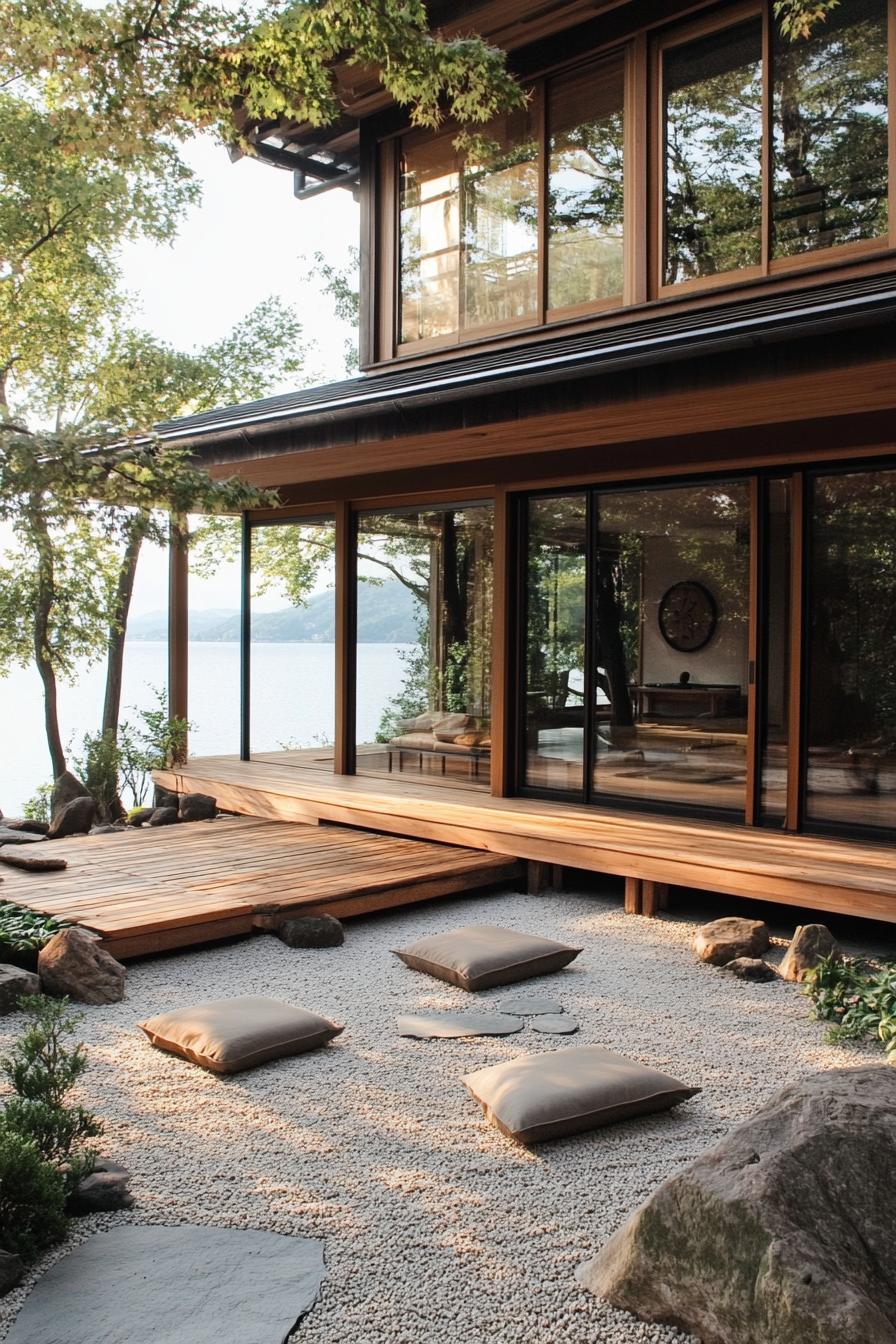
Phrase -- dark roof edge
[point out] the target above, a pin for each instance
(677, 337)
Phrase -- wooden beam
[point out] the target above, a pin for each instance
(633, 887)
(178, 619)
(796, 671)
(502, 754)
(654, 897)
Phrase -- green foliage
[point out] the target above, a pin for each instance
(799, 18)
(858, 998)
(98, 768)
(38, 806)
(155, 742)
(42, 1070)
(23, 930)
(32, 1197)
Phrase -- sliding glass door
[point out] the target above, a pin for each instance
(289, 667)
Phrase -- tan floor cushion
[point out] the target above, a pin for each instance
(227, 1035)
(547, 1096)
(480, 955)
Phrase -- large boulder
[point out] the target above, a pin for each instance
(780, 1234)
(725, 939)
(14, 982)
(74, 818)
(197, 807)
(139, 816)
(103, 1191)
(73, 963)
(809, 945)
(163, 816)
(66, 788)
(11, 1270)
(164, 797)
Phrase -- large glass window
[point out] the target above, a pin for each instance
(830, 131)
(712, 89)
(468, 232)
(554, 690)
(671, 620)
(851, 713)
(424, 621)
(292, 670)
(585, 184)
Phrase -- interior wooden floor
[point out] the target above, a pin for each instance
(173, 886)
(830, 875)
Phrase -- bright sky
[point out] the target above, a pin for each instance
(246, 240)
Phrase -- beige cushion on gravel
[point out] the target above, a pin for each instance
(227, 1035)
(480, 955)
(547, 1096)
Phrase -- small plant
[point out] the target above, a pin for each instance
(32, 1197)
(24, 932)
(42, 1070)
(37, 807)
(155, 742)
(858, 998)
(98, 767)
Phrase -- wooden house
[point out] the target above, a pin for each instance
(621, 457)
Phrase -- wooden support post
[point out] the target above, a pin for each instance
(557, 877)
(344, 728)
(178, 619)
(502, 748)
(654, 897)
(633, 895)
(537, 877)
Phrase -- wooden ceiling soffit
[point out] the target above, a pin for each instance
(742, 404)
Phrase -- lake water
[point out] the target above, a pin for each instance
(292, 702)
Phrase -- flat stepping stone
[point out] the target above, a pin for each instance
(529, 1005)
(555, 1024)
(10, 837)
(448, 1026)
(174, 1285)
(31, 862)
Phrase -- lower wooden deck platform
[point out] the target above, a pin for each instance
(831, 875)
(153, 890)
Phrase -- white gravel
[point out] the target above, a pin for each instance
(436, 1226)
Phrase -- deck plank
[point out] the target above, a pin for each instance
(844, 876)
(154, 890)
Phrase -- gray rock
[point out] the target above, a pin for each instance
(106, 828)
(11, 837)
(163, 816)
(73, 963)
(164, 797)
(197, 807)
(140, 816)
(27, 824)
(15, 982)
(174, 1285)
(809, 945)
(311, 931)
(750, 968)
(725, 939)
(11, 1271)
(555, 1024)
(66, 789)
(780, 1234)
(450, 1026)
(41, 862)
(103, 1191)
(74, 818)
(529, 1005)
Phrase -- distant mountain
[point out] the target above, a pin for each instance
(386, 615)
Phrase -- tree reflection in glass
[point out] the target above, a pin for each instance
(585, 184)
(713, 150)
(425, 593)
(830, 131)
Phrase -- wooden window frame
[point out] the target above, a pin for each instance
(644, 199)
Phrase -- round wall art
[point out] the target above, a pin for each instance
(687, 616)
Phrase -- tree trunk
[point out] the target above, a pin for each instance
(118, 624)
(612, 650)
(43, 611)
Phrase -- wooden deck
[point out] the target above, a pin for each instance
(828, 875)
(154, 890)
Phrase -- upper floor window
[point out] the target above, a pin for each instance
(702, 153)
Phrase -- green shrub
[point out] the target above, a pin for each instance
(32, 1198)
(38, 806)
(98, 767)
(42, 1070)
(857, 997)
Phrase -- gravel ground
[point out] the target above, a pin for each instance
(436, 1226)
